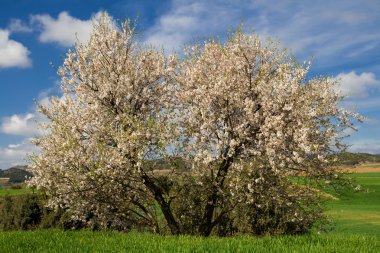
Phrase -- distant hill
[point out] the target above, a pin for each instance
(351, 159)
(17, 174)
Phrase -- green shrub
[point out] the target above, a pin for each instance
(20, 212)
(28, 211)
(7, 219)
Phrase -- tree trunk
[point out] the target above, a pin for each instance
(206, 227)
(165, 207)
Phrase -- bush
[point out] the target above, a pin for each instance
(20, 212)
(29, 211)
(7, 219)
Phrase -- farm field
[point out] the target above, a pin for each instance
(367, 167)
(370, 165)
(357, 229)
(358, 212)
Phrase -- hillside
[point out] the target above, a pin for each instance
(352, 159)
(18, 174)
(15, 174)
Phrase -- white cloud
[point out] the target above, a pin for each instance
(16, 25)
(333, 32)
(22, 125)
(176, 27)
(65, 30)
(371, 146)
(354, 85)
(190, 20)
(12, 53)
(16, 154)
(27, 126)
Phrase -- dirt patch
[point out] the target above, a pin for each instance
(4, 180)
(362, 170)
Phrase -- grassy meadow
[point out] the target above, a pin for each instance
(86, 241)
(357, 229)
(11, 191)
(358, 212)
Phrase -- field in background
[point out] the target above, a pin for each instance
(12, 190)
(363, 168)
(358, 212)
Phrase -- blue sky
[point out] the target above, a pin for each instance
(341, 37)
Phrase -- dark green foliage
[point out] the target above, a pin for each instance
(7, 219)
(59, 218)
(31, 211)
(284, 214)
(275, 206)
(28, 211)
(52, 219)
(20, 212)
(187, 204)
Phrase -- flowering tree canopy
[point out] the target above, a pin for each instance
(249, 108)
(230, 123)
(104, 126)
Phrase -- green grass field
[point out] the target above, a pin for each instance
(86, 241)
(357, 229)
(7, 190)
(358, 212)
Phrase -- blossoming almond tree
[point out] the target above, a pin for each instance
(109, 119)
(250, 115)
(239, 118)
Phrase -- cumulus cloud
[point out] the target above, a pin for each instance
(15, 154)
(357, 85)
(12, 53)
(176, 27)
(190, 20)
(22, 125)
(16, 25)
(64, 30)
(27, 125)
